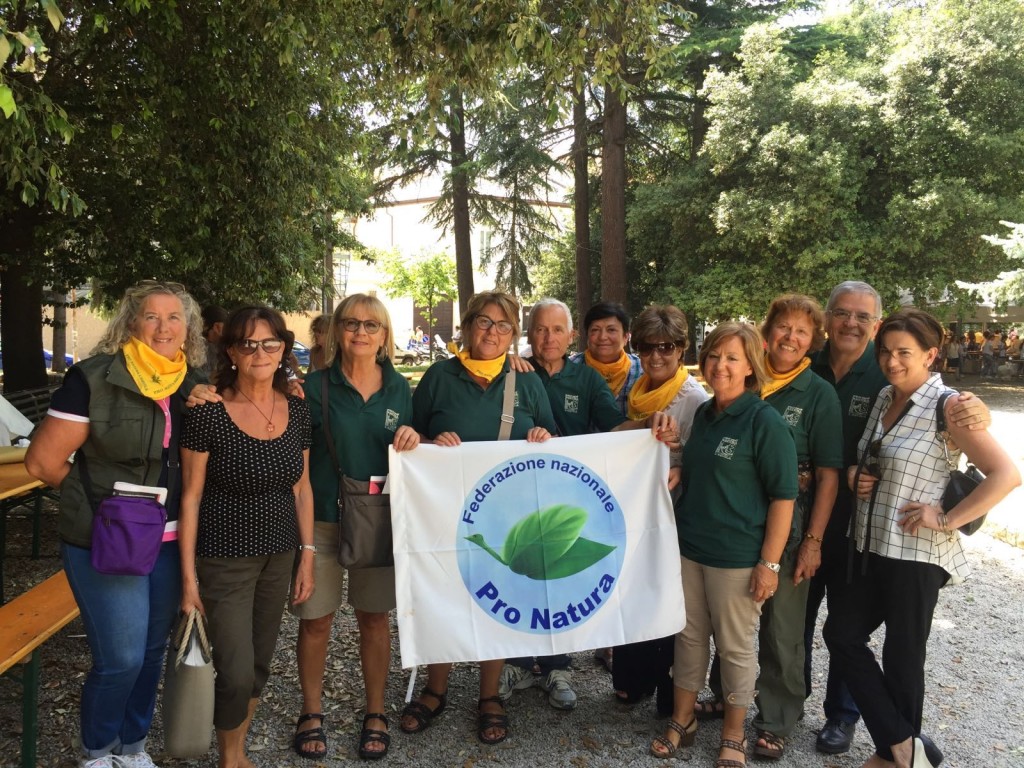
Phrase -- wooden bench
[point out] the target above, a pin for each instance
(27, 622)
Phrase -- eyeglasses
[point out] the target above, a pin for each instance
(874, 451)
(484, 323)
(861, 318)
(248, 346)
(664, 348)
(352, 325)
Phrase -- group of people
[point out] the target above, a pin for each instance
(808, 456)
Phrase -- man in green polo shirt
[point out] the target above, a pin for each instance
(848, 363)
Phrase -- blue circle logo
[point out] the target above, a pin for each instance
(540, 543)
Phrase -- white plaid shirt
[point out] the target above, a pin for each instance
(913, 467)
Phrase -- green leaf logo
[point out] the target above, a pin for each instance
(547, 544)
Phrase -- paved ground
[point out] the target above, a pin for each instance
(973, 707)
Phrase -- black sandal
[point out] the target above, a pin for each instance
(421, 713)
(370, 736)
(488, 720)
(709, 709)
(310, 735)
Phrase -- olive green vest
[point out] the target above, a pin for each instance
(126, 432)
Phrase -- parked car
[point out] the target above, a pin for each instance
(301, 352)
(47, 359)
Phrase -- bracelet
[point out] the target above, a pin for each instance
(944, 526)
(773, 567)
(308, 548)
(812, 537)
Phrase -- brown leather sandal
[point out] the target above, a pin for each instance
(687, 734)
(421, 713)
(773, 746)
(726, 762)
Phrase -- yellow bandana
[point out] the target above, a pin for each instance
(487, 370)
(154, 375)
(781, 380)
(613, 373)
(642, 403)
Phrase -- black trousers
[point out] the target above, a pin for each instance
(901, 595)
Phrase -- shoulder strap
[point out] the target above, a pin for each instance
(508, 406)
(326, 423)
(940, 410)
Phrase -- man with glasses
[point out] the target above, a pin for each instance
(848, 362)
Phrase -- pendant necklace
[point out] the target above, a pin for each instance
(270, 419)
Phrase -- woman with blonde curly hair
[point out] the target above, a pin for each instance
(121, 409)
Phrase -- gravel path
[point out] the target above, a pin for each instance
(974, 706)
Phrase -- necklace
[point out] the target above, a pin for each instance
(270, 419)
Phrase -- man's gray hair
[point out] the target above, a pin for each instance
(854, 286)
(547, 301)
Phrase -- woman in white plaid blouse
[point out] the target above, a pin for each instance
(907, 546)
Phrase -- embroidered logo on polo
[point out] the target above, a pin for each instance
(548, 570)
(726, 448)
(792, 415)
(860, 406)
(390, 420)
(572, 404)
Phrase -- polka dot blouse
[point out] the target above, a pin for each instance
(248, 505)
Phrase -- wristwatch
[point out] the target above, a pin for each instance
(309, 547)
(773, 567)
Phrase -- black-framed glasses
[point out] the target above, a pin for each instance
(873, 466)
(664, 348)
(484, 323)
(352, 325)
(861, 318)
(249, 346)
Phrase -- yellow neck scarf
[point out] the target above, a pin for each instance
(780, 380)
(613, 373)
(154, 375)
(487, 370)
(642, 403)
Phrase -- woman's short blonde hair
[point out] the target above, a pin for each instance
(122, 327)
(660, 321)
(375, 309)
(506, 302)
(753, 348)
(797, 303)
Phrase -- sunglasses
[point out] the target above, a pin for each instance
(663, 348)
(248, 346)
(352, 325)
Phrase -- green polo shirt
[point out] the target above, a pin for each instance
(810, 406)
(857, 392)
(362, 431)
(447, 399)
(580, 399)
(734, 463)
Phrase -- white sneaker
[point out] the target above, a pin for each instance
(107, 761)
(134, 760)
(560, 693)
(514, 678)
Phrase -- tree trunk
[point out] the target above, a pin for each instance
(613, 200)
(460, 202)
(698, 120)
(581, 206)
(21, 316)
(60, 336)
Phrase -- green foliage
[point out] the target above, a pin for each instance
(885, 159)
(427, 281)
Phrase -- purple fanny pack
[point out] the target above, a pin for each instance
(127, 532)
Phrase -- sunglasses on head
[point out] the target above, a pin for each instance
(248, 346)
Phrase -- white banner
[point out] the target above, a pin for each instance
(506, 549)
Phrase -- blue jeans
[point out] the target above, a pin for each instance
(546, 663)
(127, 622)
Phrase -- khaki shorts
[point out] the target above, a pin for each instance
(328, 576)
(369, 589)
